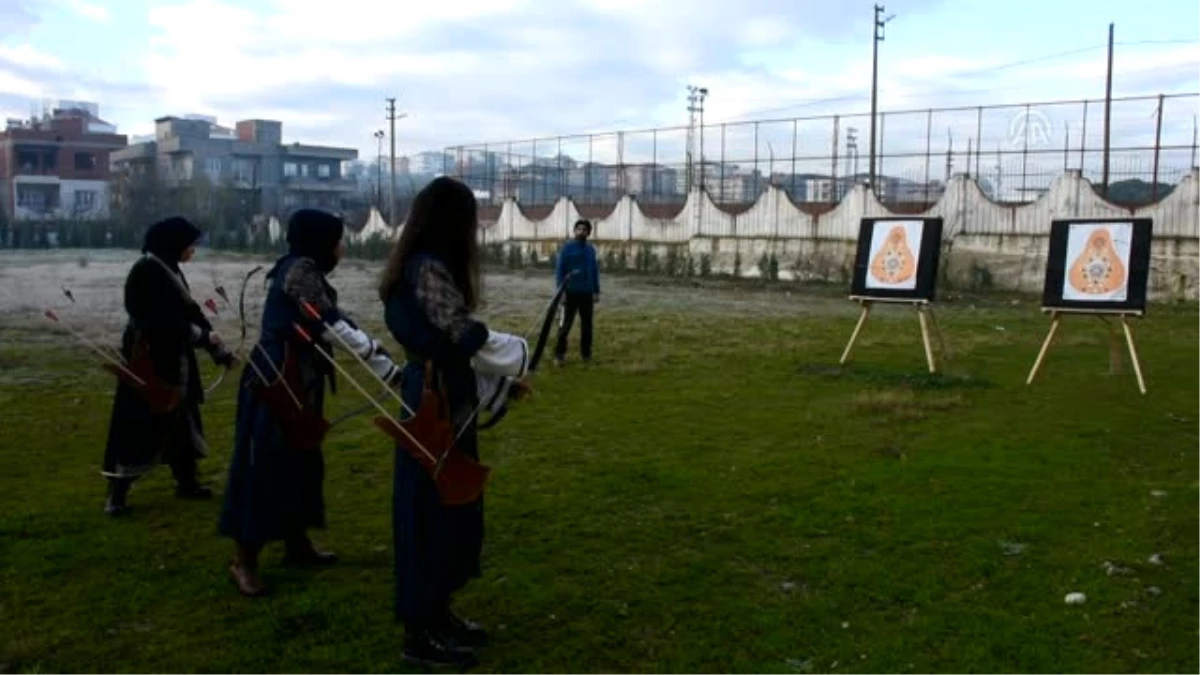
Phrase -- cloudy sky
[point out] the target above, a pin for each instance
(492, 70)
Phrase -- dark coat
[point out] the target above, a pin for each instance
(275, 491)
(168, 324)
(437, 547)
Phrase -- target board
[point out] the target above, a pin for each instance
(897, 262)
(1101, 267)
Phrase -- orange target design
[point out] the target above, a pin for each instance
(1098, 270)
(894, 263)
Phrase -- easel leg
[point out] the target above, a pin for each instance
(925, 339)
(1133, 356)
(937, 333)
(1045, 346)
(862, 319)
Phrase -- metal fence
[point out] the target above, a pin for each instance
(1014, 150)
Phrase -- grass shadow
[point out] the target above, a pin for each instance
(918, 381)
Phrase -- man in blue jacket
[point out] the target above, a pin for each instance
(583, 289)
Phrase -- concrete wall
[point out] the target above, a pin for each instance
(985, 244)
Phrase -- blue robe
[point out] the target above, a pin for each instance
(437, 547)
(274, 491)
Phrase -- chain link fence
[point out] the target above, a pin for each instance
(1014, 151)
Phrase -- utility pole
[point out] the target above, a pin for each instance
(695, 105)
(693, 97)
(379, 168)
(877, 26)
(1108, 107)
(852, 154)
(391, 111)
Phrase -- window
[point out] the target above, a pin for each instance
(290, 170)
(243, 171)
(213, 166)
(304, 170)
(324, 171)
(291, 200)
(85, 200)
(85, 161)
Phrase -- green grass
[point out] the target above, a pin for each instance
(714, 495)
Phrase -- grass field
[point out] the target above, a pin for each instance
(714, 494)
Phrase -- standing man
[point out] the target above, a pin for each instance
(583, 289)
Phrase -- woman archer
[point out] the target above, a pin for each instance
(275, 490)
(429, 289)
(165, 326)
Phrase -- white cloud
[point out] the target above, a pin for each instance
(19, 86)
(90, 10)
(27, 56)
(491, 70)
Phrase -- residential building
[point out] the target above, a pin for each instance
(272, 177)
(56, 166)
(431, 163)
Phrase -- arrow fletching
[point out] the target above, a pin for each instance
(303, 333)
(211, 305)
(310, 309)
(51, 315)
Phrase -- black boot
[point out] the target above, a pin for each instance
(193, 491)
(427, 647)
(300, 552)
(118, 490)
(462, 631)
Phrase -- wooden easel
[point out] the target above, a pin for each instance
(924, 314)
(1114, 352)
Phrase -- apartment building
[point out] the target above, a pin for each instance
(56, 165)
(272, 176)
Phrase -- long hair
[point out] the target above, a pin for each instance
(443, 222)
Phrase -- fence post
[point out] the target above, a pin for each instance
(928, 150)
(722, 161)
(879, 155)
(1066, 144)
(587, 176)
(654, 163)
(1195, 145)
(978, 142)
(561, 186)
(533, 169)
(756, 173)
(509, 188)
(1157, 145)
(487, 173)
(1083, 141)
(795, 129)
(833, 187)
(1025, 152)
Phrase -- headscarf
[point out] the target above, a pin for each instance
(315, 234)
(168, 239)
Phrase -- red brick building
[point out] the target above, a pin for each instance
(56, 166)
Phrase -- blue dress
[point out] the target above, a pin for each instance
(276, 492)
(437, 547)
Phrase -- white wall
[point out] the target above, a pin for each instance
(989, 244)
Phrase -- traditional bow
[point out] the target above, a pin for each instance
(538, 350)
(212, 307)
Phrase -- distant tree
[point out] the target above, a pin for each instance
(1136, 192)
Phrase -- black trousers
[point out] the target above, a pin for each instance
(582, 304)
(183, 468)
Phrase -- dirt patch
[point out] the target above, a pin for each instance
(31, 281)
